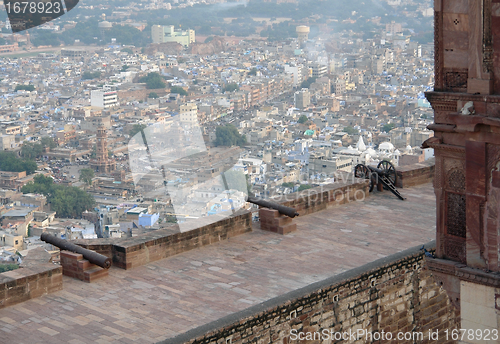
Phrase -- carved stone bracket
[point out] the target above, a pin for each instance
(487, 38)
(449, 148)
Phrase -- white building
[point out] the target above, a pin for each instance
(296, 72)
(103, 99)
(189, 113)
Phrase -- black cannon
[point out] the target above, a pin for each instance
(288, 211)
(384, 173)
(91, 256)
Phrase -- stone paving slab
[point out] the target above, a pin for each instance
(168, 297)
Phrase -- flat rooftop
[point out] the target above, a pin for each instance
(165, 298)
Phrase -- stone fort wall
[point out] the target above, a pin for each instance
(396, 295)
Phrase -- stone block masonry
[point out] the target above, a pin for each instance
(416, 174)
(75, 266)
(26, 283)
(272, 220)
(397, 295)
(325, 196)
(132, 252)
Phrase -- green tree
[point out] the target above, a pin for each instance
(25, 88)
(388, 127)
(229, 136)
(153, 80)
(153, 95)
(303, 187)
(136, 129)
(288, 185)
(66, 201)
(90, 75)
(86, 175)
(231, 87)
(8, 267)
(124, 68)
(307, 83)
(47, 141)
(178, 90)
(9, 161)
(32, 150)
(252, 71)
(302, 119)
(171, 219)
(350, 130)
(127, 50)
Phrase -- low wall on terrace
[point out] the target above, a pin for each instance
(34, 278)
(416, 174)
(325, 196)
(396, 294)
(128, 253)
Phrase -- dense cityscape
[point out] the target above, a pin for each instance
(137, 132)
(291, 112)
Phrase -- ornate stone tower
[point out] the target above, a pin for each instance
(466, 103)
(102, 163)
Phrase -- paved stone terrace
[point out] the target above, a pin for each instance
(168, 297)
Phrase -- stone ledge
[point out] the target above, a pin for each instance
(415, 174)
(463, 272)
(325, 196)
(26, 283)
(128, 253)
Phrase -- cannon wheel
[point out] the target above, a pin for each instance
(361, 171)
(389, 170)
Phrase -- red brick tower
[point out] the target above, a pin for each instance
(102, 163)
(466, 101)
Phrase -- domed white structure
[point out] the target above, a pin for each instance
(361, 144)
(105, 25)
(386, 148)
(372, 152)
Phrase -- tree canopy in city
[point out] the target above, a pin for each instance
(127, 50)
(350, 130)
(302, 119)
(25, 88)
(10, 162)
(252, 71)
(303, 187)
(135, 129)
(388, 127)
(32, 150)
(153, 80)
(231, 87)
(91, 75)
(178, 90)
(307, 83)
(228, 135)
(86, 175)
(66, 201)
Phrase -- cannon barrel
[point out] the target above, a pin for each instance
(288, 211)
(91, 256)
(377, 170)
